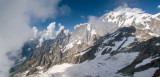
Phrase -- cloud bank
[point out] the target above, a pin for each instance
(15, 30)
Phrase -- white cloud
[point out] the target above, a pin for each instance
(48, 34)
(41, 40)
(61, 27)
(42, 9)
(78, 25)
(158, 6)
(15, 29)
(125, 8)
(35, 31)
(101, 27)
(66, 32)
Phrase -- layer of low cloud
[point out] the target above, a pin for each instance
(15, 29)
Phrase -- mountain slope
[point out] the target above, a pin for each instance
(131, 50)
(117, 51)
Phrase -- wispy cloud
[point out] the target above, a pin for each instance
(64, 10)
(158, 6)
(82, 17)
(129, 2)
(43, 9)
(124, 8)
(101, 27)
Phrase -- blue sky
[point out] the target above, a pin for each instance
(81, 9)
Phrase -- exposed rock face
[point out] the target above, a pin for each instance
(55, 51)
(121, 41)
(49, 54)
(81, 33)
(147, 49)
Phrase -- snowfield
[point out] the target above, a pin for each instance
(148, 60)
(104, 66)
(146, 73)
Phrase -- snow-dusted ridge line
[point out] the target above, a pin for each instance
(82, 53)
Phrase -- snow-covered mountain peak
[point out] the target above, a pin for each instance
(125, 16)
(145, 23)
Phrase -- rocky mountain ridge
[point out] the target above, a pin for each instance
(137, 38)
